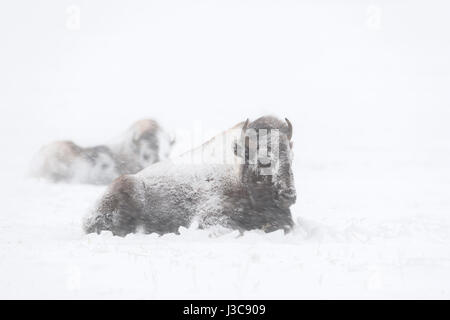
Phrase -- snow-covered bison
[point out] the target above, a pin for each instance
(241, 179)
(143, 144)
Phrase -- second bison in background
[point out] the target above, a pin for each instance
(225, 188)
(143, 144)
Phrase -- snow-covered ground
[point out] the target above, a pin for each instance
(358, 235)
(365, 84)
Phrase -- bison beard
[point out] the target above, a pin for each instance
(168, 195)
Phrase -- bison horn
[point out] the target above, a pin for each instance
(244, 128)
(289, 133)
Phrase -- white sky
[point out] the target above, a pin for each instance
(349, 75)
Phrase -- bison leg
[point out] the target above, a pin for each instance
(119, 211)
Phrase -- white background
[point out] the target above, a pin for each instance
(366, 85)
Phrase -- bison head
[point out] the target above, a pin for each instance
(265, 150)
(150, 142)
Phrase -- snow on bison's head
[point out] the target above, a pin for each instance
(265, 150)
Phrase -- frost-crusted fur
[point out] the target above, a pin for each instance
(144, 143)
(176, 192)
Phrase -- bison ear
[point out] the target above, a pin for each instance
(241, 150)
(289, 133)
(236, 148)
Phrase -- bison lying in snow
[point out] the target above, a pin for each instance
(251, 187)
(144, 143)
